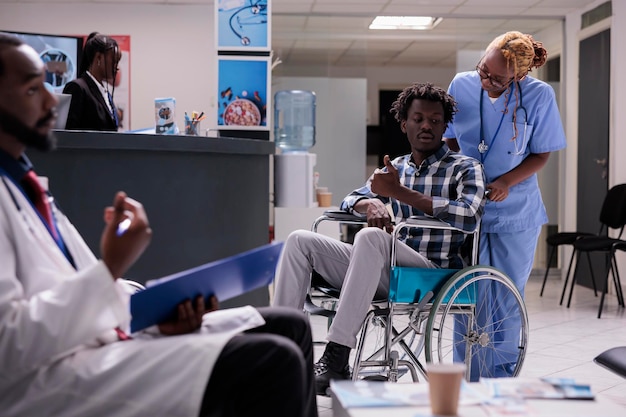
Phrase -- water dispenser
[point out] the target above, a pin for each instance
(294, 120)
(294, 134)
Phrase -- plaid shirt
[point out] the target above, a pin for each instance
(456, 184)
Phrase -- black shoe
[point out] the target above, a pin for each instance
(323, 375)
(332, 365)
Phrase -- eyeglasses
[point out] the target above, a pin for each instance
(498, 83)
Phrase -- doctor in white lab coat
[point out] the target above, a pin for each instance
(60, 354)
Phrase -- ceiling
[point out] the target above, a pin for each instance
(335, 33)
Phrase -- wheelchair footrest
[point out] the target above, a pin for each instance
(316, 310)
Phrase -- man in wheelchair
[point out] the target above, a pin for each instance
(431, 180)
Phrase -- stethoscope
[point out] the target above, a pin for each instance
(483, 147)
(258, 16)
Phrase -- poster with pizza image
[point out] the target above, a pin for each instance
(243, 92)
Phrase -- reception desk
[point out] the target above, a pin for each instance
(206, 198)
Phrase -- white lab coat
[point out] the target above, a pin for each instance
(58, 353)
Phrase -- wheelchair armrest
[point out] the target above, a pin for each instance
(341, 215)
(428, 222)
(425, 222)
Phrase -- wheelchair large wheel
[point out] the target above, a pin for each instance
(479, 318)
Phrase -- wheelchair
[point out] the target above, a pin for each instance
(433, 315)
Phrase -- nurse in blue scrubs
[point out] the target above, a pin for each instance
(510, 122)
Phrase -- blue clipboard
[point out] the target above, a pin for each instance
(225, 278)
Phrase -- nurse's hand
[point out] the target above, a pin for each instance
(498, 190)
(188, 316)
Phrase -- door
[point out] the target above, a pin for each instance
(392, 141)
(593, 142)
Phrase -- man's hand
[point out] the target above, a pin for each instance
(121, 247)
(376, 212)
(188, 318)
(386, 184)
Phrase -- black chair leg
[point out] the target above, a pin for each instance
(569, 269)
(545, 277)
(593, 277)
(573, 282)
(618, 283)
(606, 284)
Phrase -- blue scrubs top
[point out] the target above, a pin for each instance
(539, 130)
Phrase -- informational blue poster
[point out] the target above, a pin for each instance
(60, 55)
(243, 92)
(243, 25)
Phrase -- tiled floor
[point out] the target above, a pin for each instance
(562, 341)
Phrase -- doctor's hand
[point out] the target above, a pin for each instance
(126, 235)
(498, 190)
(188, 317)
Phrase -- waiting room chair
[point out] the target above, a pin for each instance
(609, 246)
(554, 241)
(614, 360)
(613, 216)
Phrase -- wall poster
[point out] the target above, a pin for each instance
(243, 25)
(243, 94)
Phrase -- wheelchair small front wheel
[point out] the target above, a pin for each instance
(479, 318)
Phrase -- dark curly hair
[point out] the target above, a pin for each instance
(423, 91)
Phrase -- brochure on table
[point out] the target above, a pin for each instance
(537, 388)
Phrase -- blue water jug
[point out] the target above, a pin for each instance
(294, 120)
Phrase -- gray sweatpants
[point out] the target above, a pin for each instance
(361, 271)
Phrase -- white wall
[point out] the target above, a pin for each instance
(172, 48)
(378, 78)
(466, 60)
(340, 137)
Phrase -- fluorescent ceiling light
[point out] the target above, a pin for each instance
(405, 22)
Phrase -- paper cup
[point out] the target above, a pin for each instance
(444, 386)
(324, 199)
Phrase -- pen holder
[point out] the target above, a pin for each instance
(192, 127)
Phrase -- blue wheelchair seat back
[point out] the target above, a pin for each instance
(410, 285)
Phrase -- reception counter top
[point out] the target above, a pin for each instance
(206, 198)
(171, 143)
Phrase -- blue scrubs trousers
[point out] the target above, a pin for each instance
(512, 253)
